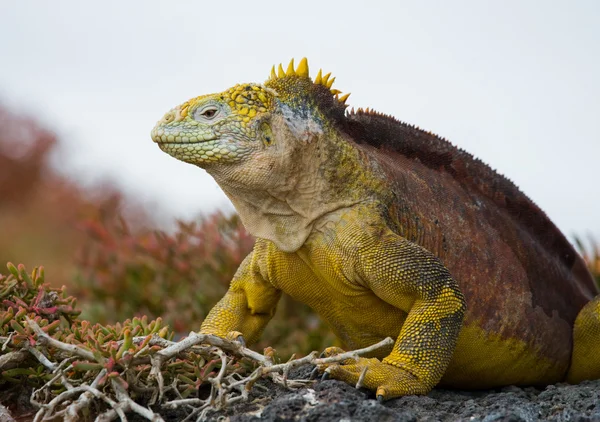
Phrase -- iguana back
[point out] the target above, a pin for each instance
(548, 257)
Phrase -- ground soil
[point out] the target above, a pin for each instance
(336, 401)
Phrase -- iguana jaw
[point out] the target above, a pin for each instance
(202, 153)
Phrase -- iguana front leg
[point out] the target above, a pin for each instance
(412, 279)
(246, 308)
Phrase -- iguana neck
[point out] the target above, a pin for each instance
(326, 176)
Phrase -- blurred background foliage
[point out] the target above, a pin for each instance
(591, 254)
(119, 264)
(111, 254)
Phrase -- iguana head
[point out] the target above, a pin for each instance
(276, 149)
(251, 130)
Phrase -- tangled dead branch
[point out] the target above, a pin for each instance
(228, 385)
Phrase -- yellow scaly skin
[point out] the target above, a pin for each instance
(320, 210)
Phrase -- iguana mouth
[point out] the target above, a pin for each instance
(180, 142)
(161, 137)
(198, 152)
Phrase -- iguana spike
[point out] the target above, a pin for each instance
(343, 98)
(330, 82)
(280, 72)
(290, 69)
(319, 78)
(273, 74)
(303, 68)
(325, 78)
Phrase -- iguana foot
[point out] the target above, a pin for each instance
(388, 381)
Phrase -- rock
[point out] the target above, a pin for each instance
(333, 400)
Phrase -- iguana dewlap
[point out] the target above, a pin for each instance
(387, 230)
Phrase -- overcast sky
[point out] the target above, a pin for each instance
(516, 83)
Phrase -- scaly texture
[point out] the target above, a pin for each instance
(387, 230)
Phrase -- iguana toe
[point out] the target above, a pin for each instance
(331, 351)
(236, 336)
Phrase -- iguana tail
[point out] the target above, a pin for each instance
(585, 360)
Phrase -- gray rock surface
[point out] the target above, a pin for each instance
(336, 401)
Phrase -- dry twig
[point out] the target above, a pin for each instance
(143, 369)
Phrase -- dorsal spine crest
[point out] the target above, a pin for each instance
(302, 71)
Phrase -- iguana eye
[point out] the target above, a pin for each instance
(207, 113)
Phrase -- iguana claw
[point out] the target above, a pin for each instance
(314, 373)
(381, 394)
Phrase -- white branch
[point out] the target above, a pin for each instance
(43, 337)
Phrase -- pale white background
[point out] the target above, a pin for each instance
(517, 83)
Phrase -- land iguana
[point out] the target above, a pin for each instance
(387, 230)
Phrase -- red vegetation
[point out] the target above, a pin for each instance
(117, 272)
(39, 208)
